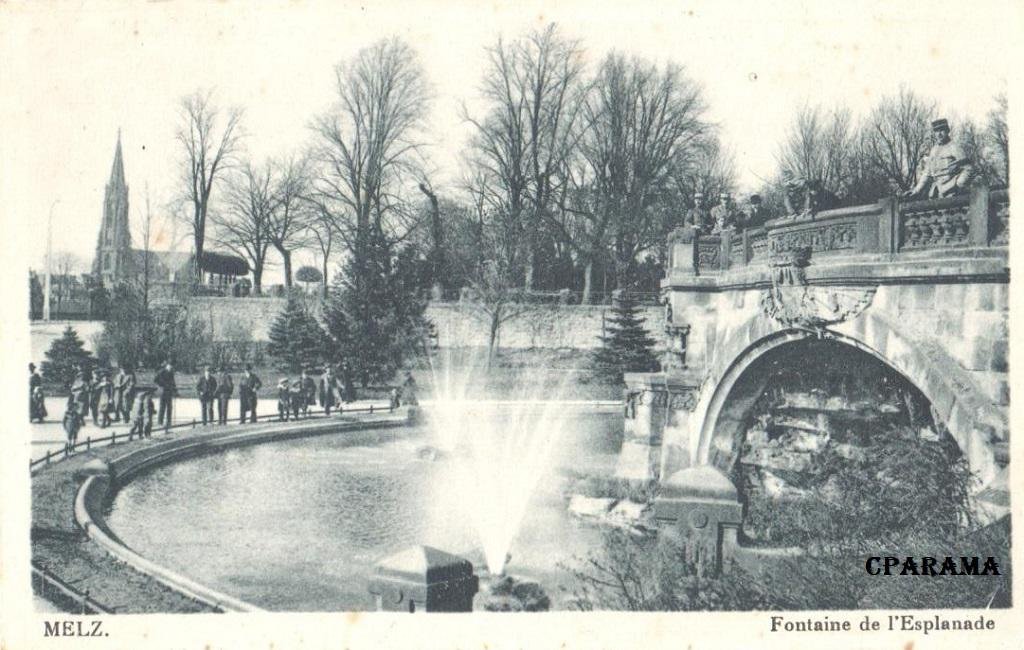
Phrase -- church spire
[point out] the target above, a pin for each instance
(117, 171)
(113, 247)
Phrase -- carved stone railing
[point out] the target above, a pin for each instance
(980, 219)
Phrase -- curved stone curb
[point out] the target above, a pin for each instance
(94, 490)
(97, 488)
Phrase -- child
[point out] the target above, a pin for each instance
(73, 422)
(296, 397)
(283, 399)
(104, 400)
(143, 410)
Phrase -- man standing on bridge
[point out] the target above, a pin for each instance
(946, 171)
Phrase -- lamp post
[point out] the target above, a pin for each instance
(49, 261)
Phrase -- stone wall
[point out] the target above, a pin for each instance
(549, 326)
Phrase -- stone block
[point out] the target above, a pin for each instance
(950, 297)
(1000, 361)
(424, 579)
(921, 296)
(973, 353)
(1001, 297)
(991, 324)
(637, 461)
(981, 297)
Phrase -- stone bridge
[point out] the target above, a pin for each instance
(920, 286)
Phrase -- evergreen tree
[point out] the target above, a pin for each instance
(64, 358)
(374, 313)
(296, 339)
(625, 345)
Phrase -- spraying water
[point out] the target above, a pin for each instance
(499, 448)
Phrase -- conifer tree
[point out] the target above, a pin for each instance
(374, 314)
(65, 357)
(296, 338)
(625, 345)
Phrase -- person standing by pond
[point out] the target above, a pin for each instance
(124, 389)
(168, 389)
(206, 387)
(328, 391)
(409, 390)
(248, 389)
(36, 400)
(225, 386)
(308, 386)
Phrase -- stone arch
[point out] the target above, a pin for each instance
(971, 419)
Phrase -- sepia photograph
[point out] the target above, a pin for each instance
(595, 309)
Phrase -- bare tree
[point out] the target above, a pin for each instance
(638, 119)
(494, 272)
(818, 145)
(321, 229)
(244, 226)
(999, 136)
(288, 221)
(210, 140)
(897, 137)
(65, 266)
(370, 145)
(523, 142)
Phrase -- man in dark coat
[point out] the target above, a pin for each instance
(328, 391)
(248, 388)
(225, 386)
(164, 380)
(206, 387)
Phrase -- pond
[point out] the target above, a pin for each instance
(298, 525)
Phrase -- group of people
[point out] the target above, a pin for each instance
(725, 214)
(294, 397)
(116, 396)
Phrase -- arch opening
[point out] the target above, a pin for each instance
(807, 415)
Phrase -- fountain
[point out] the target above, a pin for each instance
(498, 448)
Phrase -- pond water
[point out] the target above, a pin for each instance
(298, 525)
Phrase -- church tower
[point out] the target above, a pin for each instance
(113, 248)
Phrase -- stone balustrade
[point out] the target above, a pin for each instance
(889, 227)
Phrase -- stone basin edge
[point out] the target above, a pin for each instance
(98, 489)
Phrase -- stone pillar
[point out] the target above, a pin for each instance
(700, 505)
(654, 401)
(424, 579)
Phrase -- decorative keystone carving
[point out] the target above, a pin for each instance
(791, 302)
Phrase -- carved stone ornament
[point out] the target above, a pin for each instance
(792, 303)
(684, 401)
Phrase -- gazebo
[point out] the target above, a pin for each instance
(221, 271)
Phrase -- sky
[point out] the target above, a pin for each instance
(73, 74)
